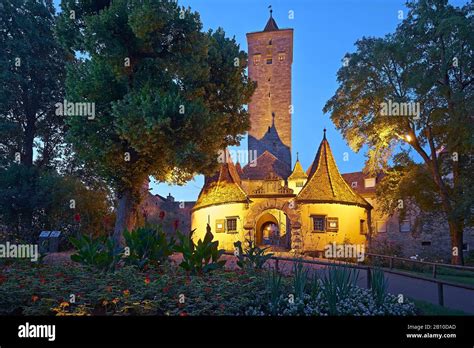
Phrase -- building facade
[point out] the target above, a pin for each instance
(284, 206)
(267, 201)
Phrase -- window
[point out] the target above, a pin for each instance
(333, 224)
(369, 182)
(256, 59)
(465, 246)
(405, 226)
(381, 226)
(426, 243)
(270, 42)
(354, 184)
(232, 225)
(299, 183)
(319, 223)
(281, 57)
(362, 227)
(269, 61)
(220, 226)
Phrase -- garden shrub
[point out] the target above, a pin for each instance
(252, 257)
(147, 244)
(100, 252)
(202, 257)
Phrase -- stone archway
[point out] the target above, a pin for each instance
(252, 222)
(267, 230)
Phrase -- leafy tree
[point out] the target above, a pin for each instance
(32, 77)
(54, 202)
(167, 95)
(428, 60)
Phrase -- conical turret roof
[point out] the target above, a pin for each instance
(298, 172)
(222, 187)
(325, 184)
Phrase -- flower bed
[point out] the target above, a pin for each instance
(169, 290)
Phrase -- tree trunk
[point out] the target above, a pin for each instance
(456, 233)
(126, 216)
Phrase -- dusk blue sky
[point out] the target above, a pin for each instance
(324, 30)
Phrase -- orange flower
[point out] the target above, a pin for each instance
(115, 300)
(105, 303)
(64, 304)
(34, 298)
(126, 292)
(147, 280)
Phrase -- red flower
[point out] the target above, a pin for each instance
(2, 278)
(162, 215)
(166, 289)
(34, 298)
(42, 280)
(77, 217)
(175, 224)
(183, 314)
(147, 280)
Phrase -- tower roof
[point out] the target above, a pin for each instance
(325, 184)
(271, 24)
(298, 172)
(222, 187)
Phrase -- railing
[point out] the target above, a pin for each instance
(434, 265)
(370, 268)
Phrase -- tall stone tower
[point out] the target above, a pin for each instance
(270, 57)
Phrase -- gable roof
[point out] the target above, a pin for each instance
(222, 187)
(325, 184)
(359, 179)
(263, 166)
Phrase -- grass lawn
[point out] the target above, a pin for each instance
(427, 308)
(443, 273)
(448, 275)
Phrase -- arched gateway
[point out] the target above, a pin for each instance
(273, 222)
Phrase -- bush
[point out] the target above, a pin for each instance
(101, 252)
(300, 279)
(337, 284)
(147, 244)
(379, 286)
(253, 257)
(202, 257)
